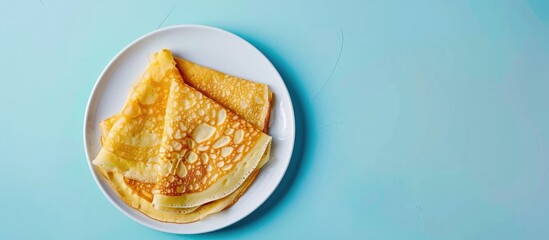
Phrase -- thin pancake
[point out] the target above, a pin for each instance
(172, 214)
(144, 189)
(132, 196)
(135, 194)
(131, 146)
(133, 191)
(207, 151)
(139, 191)
(249, 100)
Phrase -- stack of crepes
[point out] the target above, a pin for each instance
(188, 142)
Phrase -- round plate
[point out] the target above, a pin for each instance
(214, 48)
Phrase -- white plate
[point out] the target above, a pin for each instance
(214, 48)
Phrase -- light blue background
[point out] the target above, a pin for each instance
(416, 119)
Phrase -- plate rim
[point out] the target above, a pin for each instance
(94, 98)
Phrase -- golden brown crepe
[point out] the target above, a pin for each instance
(131, 146)
(207, 151)
(221, 185)
(139, 195)
(173, 215)
(249, 100)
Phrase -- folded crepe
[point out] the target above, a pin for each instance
(173, 215)
(137, 136)
(131, 146)
(138, 195)
(249, 100)
(207, 151)
(179, 195)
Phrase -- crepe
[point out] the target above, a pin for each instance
(135, 194)
(207, 151)
(138, 195)
(174, 215)
(131, 146)
(249, 100)
(131, 176)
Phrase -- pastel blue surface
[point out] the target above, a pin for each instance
(416, 119)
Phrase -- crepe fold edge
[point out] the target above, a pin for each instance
(138, 170)
(179, 215)
(174, 215)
